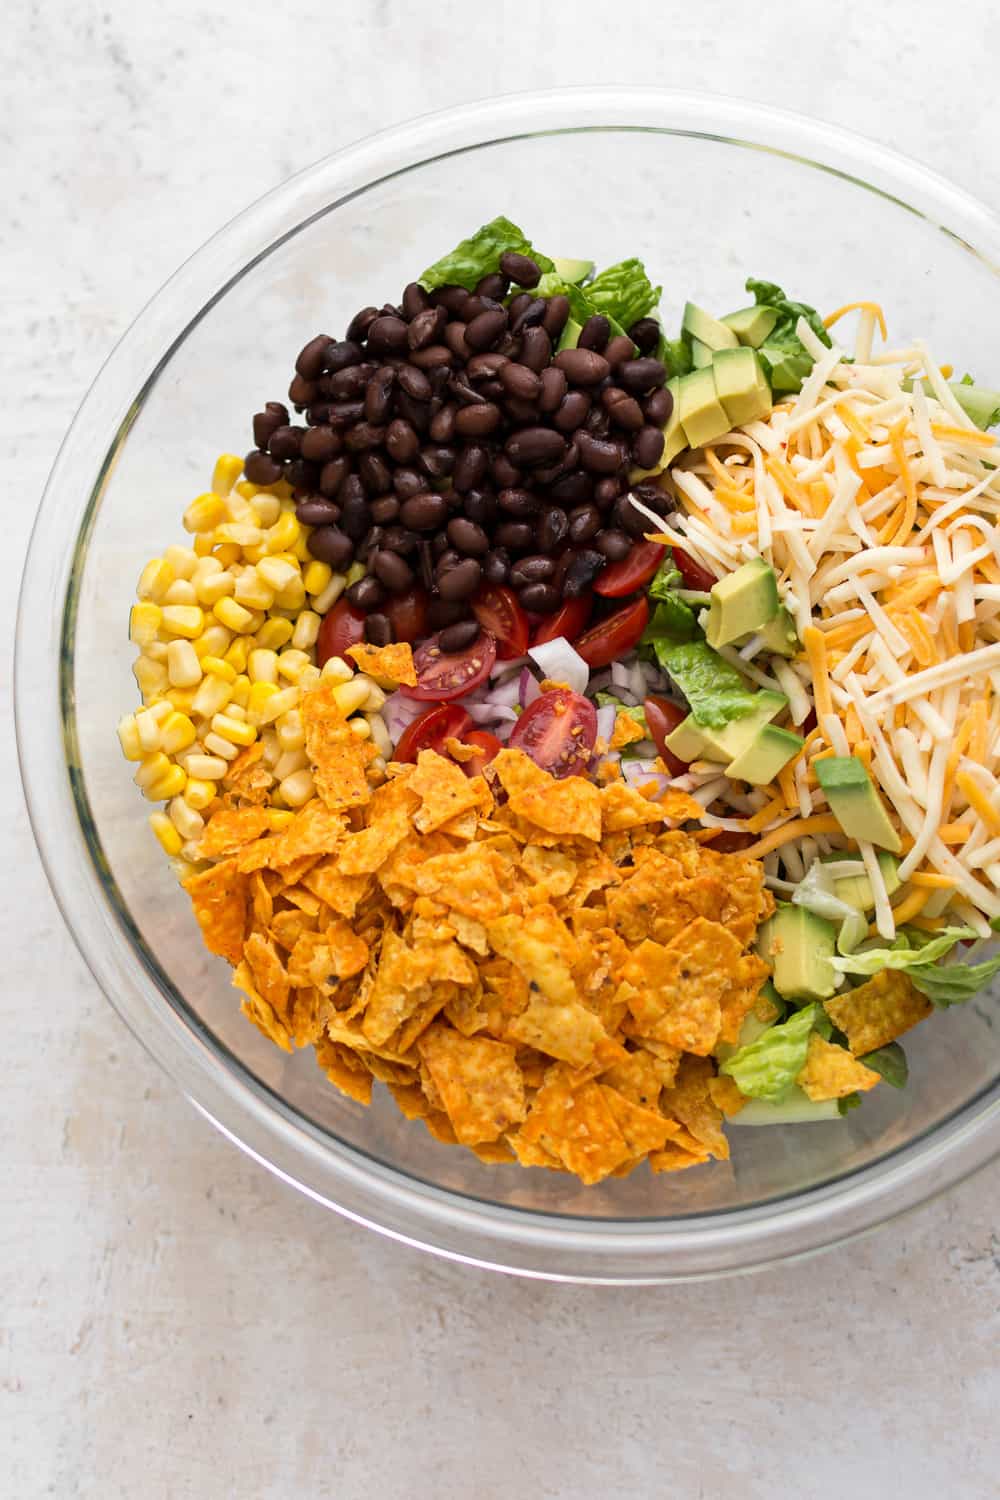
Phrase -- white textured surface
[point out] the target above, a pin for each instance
(173, 1322)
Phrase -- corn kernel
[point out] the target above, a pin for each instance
(199, 793)
(380, 735)
(231, 729)
(154, 580)
(316, 576)
(306, 630)
(301, 547)
(291, 731)
(252, 592)
(151, 677)
(228, 553)
(361, 729)
(289, 761)
(205, 767)
(128, 737)
(212, 696)
(148, 730)
(216, 586)
(240, 510)
(279, 703)
(266, 509)
(280, 819)
(183, 619)
(276, 573)
(170, 839)
(216, 745)
(143, 623)
(180, 592)
(297, 788)
(183, 666)
(293, 597)
(328, 598)
(204, 514)
(181, 699)
(190, 851)
(183, 560)
(240, 533)
(262, 666)
(178, 733)
(310, 677)
(291, 665)
(349, 696)
(271, 748)
(233, 616)
(214, 640)
(160, 711)
(216, 666)
(355, 573)
(336, 669)
(183, 869)
(228, 468)
(156, 651)
(375, 700)
(241, 692)
(151, 768)
(169, 785)
(238, 710)
(204, 542)
(189, 823)
(237, 653)
(284, 533)
(247, 489)
(260, 692)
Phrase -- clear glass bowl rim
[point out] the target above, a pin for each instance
(334, 1174)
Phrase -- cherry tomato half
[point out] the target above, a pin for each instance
(558, 732)
(663, 715)
(442, 675)
(621, 578)
(487, 744)
(568, 620)
(611, 638)
(693, 574)
(497, 610)
(342, 627)
(408, 614)
(430, 731)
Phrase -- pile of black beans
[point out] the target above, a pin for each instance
(447, 442)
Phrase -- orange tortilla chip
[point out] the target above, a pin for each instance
(678, 988)
(576, 1125)
(348, 949)
(570, 807)
(388, 664)
(315, 830)
(624, 807)
(268, 971)
(247, 779)
(878, 1012)
(341, 893)
(516, 772)
(726, 1095)
(286, 927)
(338, 758)
(345, 1070)
(625, 732)
(542, 947)
(678, 806)
(444, 791)
(571, 1032)
(690, 1101)
(675, 1158)
(644, 1129)
(831, 1072)
(741, 994)
(257, 1010)
(230, 828)
(220, 897)
(478, 1080)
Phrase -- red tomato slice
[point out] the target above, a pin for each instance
(611, 638)
(693, 574)
(442, 675)
(408, 614)
(497, 610)
(663, 715)
(487, 744)
(558, 732)
(624, 577)
(430, 731)
(342, 627)
(568, 620)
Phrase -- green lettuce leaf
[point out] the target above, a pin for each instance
(636, 714)
(771, 1064)
(479, 256)
(982, 405)
(951, 984)
(890, 1063)
(849, 1102)
(675, 354)
(909, 951)
(672, 619)
(623, 292)
(715, 691)
(786, 361)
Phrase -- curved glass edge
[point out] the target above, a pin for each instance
(112, 404)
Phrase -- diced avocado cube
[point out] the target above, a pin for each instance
(779, 635)
(856, 890)
(694, 741)
(571, 332)
(573, 271)
(688, 741)
(674, 441)
(701, 325)
(742, 603)
(793, 1108)
(799, 946)
(855, 803)
(771, 750)
(702, 415)
(701, 354)
(752, 325)
(741, 385)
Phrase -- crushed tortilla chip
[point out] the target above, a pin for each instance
(576, 1125)
(230, 828)
(572, 807)
(878, 1011)
(219, 896)
(478, 1080)
(444, 791)
(678, 988)
(831, 1072)
(389, 665)
(338, 758)
(625, 732)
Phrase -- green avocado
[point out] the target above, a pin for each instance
(772, 748)
(573, 271)
(751, 325)
(799, 946)
(856, 890)
(701, 325)
(674, 441)
(701, 354)
(693, 741)
(742, 385)
(855, 803)
(571, 332)
(742, 603)
(702, 415)
(779, 635)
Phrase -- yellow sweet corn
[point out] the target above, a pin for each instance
(216, 666)
(262, 666)
(276, 573)
(128, 738)
(278, 703)
(170, 839)
(316, 576)
(233, 616)
(151, 677)
(189, 823)
(252, 592)
(246, 489)
(260, 692)
(205, 767)
(151, 769)
(291, 731)
(214, 640)
(327, 599)
(284, 533)
(148, 730)
(178, 733)
(228, 728)
(212, 696)
(228, 468)
(274, 634)
(349, 696)
(216, 745)
(306, 630)
(205, 514)
(169, 785)
(186, 620)
(266, 509)
(297, 788)
(241, 692)
(183, 560)
(154, 580)
(144, 623)
(291, 665)
(183, 666)
(198, 793)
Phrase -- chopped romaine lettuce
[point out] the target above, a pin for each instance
(815, 892)
(951, 984)
(785, 360)
(977, 402)
(890, 1063)
(715, 691)
(479, 256)
(675, 354)
(771, 1064)
(623, 292)
(910, 950)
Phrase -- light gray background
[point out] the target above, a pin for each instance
(173, 1321)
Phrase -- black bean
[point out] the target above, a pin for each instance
(524, 413)
(378, 630)
(355, 517)
(375, 474)
(478, 421)
(384, 510)
(470, 468)
(330, 545)
(454, 337)
(424, 512)
(267, 421)
(509, 346)
(464, 393)
(517, 380)
(259, 468)
(346, 385)
(504, 472)
(415, 300)
(456, 637)
(595, 333)
(535, 445)
(640, 376)
(553, 389)
(302, 392)
(518, 303)
(480, 506)
(647, 447)
(434, 357)
(401, 441)
(369, 543)
(649, 492)
(606, 492)
(483, 331)
(344, 414)
(583, 569)
(400, 539)
(496, 565)
(658, 407)
(366, 595)
(387, 335)
(378, 395)
(452, 298)
(390, 569)
(468, 538)
(285, 443)
(319, 444)
(477, 304)
(598, 423)
(482, 366)
(572, 412)
(414, 382)
(407, 482)
(613, 544)
(302, 476)
(417, 413)
(518, 502)
(634, 522)
(314, 511)
(584, 524)
(495, 285)
(460, 581)
(310, 361)
(360, 324)
(333, 474)
(598, 455)
(530, 316)
(573, 489)
(515, 536)
(620, 348)
(645, 334)
(444, 612)
(536, 349)
(534, 569)
(556, 315)
(425, 564)
(540, 598)
(362, 436)
(442, 427)
(551, 529)
(341, 355)
(427, 328)
(437, 461)
(623, 409)
(582, 366)
(520, 269)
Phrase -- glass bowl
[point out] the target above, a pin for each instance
(707, 190)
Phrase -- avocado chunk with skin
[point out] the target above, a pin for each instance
(779, 635)
(701, 354)
(702, 415)
(856, 890)
(742, 603)
(770, 752)
(855, 803)
(701, 325)
(752, 325)
(741, 385)
(799, 946)
(693, 741)
(573, 271)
